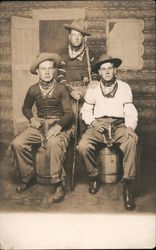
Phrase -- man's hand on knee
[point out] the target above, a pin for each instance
(99, 126)
(54, 131)
(130, 132)
(35, 122)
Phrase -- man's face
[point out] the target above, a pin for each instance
(76, 38)
(46, 71)
(107, 71)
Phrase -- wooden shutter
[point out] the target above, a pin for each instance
(22, 56)
(124, 40)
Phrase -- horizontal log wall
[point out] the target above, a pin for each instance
(142, 82)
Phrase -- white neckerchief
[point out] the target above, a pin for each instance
(78, 54)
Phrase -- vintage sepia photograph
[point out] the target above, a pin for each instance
(77, 124)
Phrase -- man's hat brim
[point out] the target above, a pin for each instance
(44, 56)
(116, 62)
(70, 27)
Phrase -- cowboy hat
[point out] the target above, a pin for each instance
(105, 59)
(78, 25)
(44, 56)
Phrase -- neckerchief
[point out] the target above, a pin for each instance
(47, 89)
(109, 90)
(109, 83)
(78, 54)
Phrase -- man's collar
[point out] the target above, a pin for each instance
(108, 83)
(76, 48)
(73, 54)
(46, 85)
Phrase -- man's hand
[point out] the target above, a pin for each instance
(130, 132)
(54, 131)
(99, 126)
(35, 122)
(85, 79)
(76, 94)
(93, 84)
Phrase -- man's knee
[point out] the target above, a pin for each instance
(84, 147)
(17, 142)
(132, 140)
(129, 144)
(54, 142)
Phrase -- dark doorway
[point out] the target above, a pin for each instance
(53, 36)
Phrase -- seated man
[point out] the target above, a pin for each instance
(49, 128)
(111, 118)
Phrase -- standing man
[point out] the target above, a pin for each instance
(50, 128)
(111, 118)
(74, 67)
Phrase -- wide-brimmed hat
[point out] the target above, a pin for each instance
(44, 56)
(104, 58)
(78, 25)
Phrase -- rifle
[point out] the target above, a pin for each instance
(88, 63)
(88, 58)
(75, 144)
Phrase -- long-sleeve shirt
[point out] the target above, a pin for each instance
(57, 105)
(96, 105)
(71, 70)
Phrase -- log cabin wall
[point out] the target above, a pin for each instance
(142, 82)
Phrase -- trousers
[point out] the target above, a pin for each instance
(92, 140)
(22, 146)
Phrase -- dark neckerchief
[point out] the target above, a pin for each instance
(76, 48)
(111, 94)
(109, 83)
(46, 85)
(47, 90)
(79, 50)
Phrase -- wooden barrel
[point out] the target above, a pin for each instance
(109, 165)
(41, 166)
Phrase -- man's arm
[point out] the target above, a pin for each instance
(94, 75)
(27, 109)
(88, 107)
(68, 115)
(61, 75)
(130, 112)
(131, 115)
(28, 103)
(67, 108)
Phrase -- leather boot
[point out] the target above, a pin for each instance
(128, 186)
(94, 184)
(23, 186)
(59, 193)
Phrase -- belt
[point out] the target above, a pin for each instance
(76, 84)
(112, 118)
(50, 116)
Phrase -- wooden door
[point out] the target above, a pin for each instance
(22, 55)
